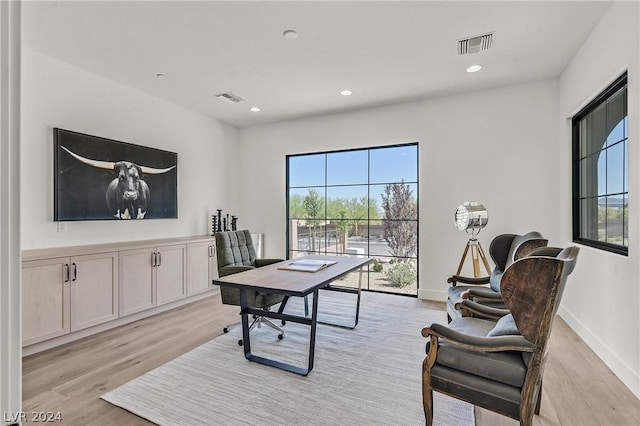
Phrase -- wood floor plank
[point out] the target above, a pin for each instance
(89, 358)
(577, 387)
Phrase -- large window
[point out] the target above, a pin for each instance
(600, 171)
(361, 202)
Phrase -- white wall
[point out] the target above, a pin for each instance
(498, 147)
(55, 94)
(603, 302)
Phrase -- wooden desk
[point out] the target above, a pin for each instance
(270, 279)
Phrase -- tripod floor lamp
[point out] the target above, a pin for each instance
(471, 217)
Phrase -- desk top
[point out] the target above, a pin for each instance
(294, 283)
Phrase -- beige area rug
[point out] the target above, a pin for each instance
(366, 376)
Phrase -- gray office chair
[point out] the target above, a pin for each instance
(236, 253)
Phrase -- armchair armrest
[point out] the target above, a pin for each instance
(453, 279)
(483, 311)
(228, 270)
(264, 262)
(482, 344)
(483, 293)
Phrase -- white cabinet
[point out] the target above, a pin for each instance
(96, 287)
(45, 299)
(137, 292)
(66, 294)
(202, 266)
(171, 274)
(151, 277)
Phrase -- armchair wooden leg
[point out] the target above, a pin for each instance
(427, 394)
(526, 414)
(539, 400)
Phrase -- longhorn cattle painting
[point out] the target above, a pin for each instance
(99, 179)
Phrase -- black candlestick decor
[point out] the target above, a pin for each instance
(219, 220)
(214, 224)
(220, 224)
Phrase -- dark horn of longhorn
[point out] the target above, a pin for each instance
(108, 165)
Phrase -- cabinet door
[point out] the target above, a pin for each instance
(94, 289)
(136, 278)
(201, 266)
(170, 274)
(45, 299)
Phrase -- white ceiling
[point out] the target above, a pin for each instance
(386, 52)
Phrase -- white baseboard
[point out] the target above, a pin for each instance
(437, 295)
(621, 369)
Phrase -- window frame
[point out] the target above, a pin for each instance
(618, 84)
(368, 185)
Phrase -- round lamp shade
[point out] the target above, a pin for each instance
(471, 216)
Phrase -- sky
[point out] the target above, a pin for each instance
(353, 170)
(614, 159)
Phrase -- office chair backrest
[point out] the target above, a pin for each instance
(235, 248)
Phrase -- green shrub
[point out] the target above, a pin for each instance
(402, 274)
(377, 266)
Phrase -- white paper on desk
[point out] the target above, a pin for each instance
(307, 265)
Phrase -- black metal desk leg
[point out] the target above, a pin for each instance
(247, 310)
(246, 340)
(358, 292)
(312, 334)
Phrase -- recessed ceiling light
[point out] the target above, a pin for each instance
(290, 34)
(346, 92)
(159, 75)
(254, 109)
(474, 68)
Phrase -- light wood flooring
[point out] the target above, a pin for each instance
(578, 388)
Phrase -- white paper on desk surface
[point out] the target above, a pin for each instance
(308, 265)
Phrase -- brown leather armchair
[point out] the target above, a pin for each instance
(499, 365)
(478, 309)
(504, 250)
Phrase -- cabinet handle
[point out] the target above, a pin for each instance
(75, 271)
(66, 273)
(159, 258)
(153, 259)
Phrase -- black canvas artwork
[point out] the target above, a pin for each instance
(102, 179)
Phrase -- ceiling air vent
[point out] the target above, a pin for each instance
(474, 44)
(230, 97)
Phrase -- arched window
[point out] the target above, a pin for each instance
(600, 171)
